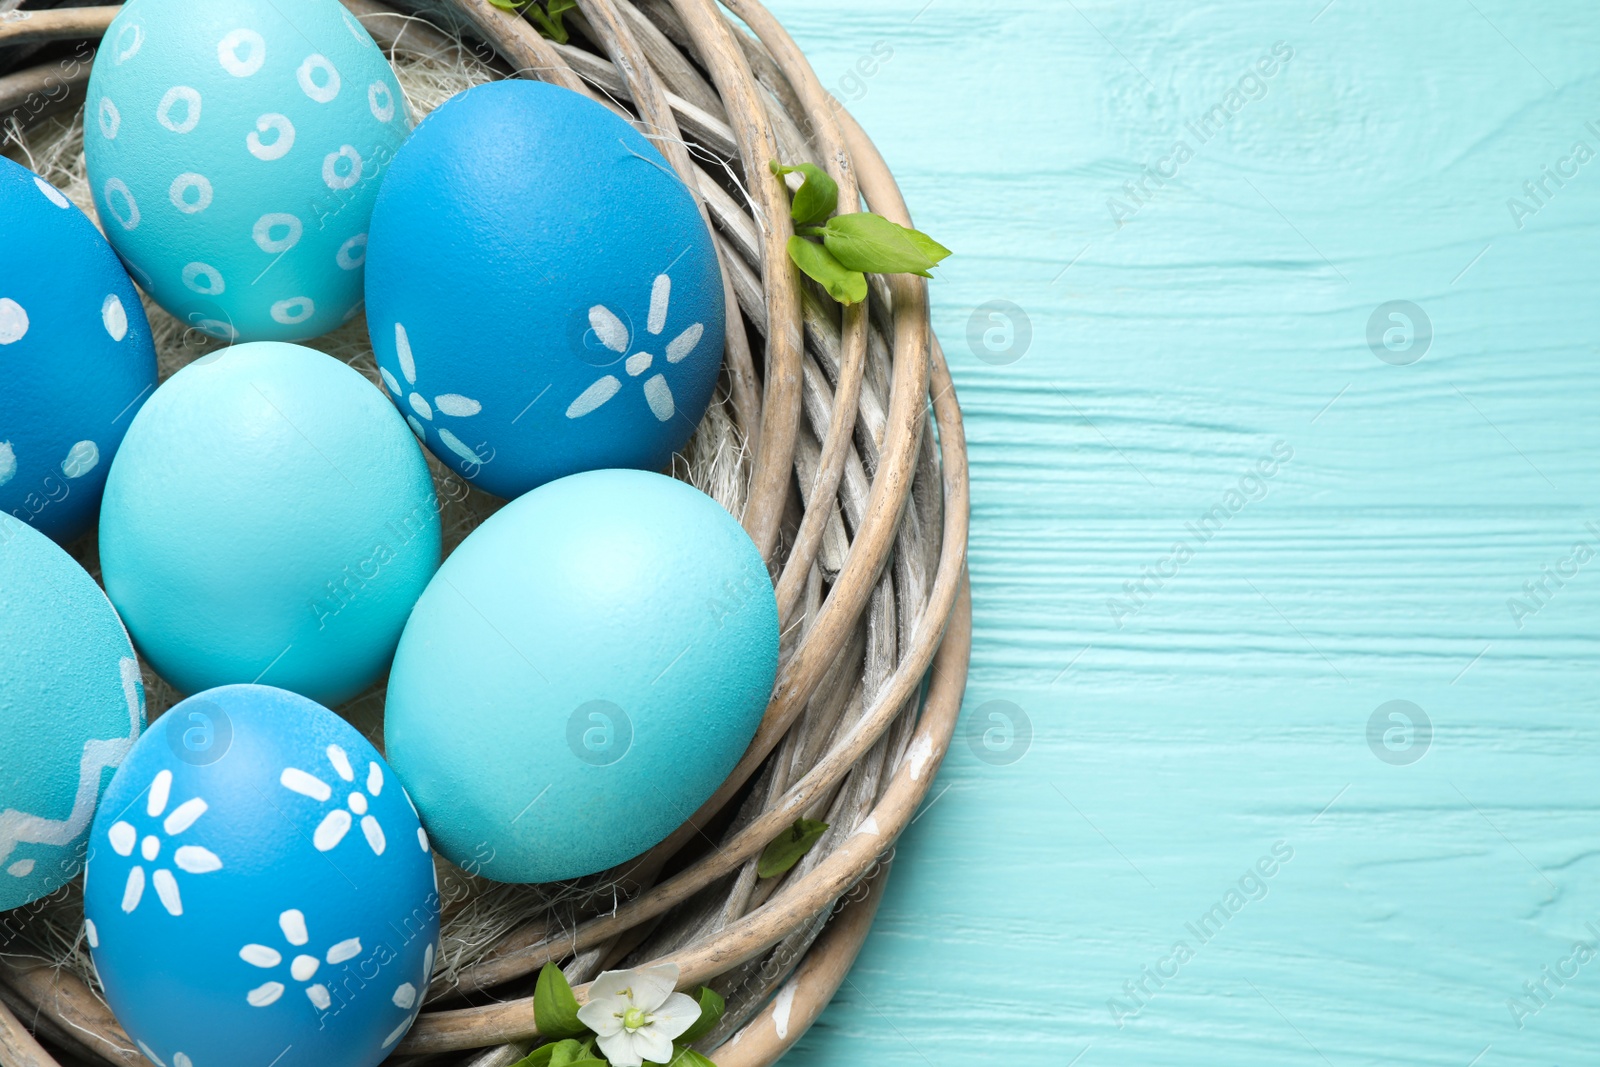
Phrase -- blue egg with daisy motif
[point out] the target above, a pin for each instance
(259, 888)
(76, 357)
(543, 294)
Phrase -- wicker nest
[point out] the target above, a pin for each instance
(819, 438)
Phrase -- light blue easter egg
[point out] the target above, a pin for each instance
(235, 148)
(75, 356)
(71, 705)
(268, 519)
(542, 293)
(581, 675)
(259, 890)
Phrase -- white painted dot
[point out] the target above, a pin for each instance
(242, 52)
(283, 137)
(422, 838)
(150, 847)
(353, 253)
(304, 967)
(405, 996)
(180, 1060)
(110, 118)
(52, 194)
(331, 175)
(204, 279)
(20, 869)
(420, 406)
(327, 88)
(183, 185)
(13, 321)
(8, 462)
(272, 242)
(114, 316)
(128, 217)
(293, 311)
(358, 803)
(91, 934)
(380, 98)
(190, 99)
(82, 458)
(128, 42)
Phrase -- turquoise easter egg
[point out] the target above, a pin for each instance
(71, 706)
(234, 149)
(542, 293)
(76, 355)
(265, 896)
(581, 675)
(269, 519)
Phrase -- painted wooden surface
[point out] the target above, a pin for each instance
(1221, 713)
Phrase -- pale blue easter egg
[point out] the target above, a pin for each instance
(259, 890)
(235, 148)
(581, 675)
(542, 293)
(268, 519)
(76, 357)
(71, 706)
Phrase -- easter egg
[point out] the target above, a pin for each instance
(581, 675)
(234, 149)
(542, 293)
(259, 889)
(76, 356)
(268, 519)
(71, 705)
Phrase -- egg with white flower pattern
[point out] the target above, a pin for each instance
(543, 294)
(234, 150)
(259, 888)
(75, 356)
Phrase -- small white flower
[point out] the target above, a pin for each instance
(636, 1015)
(452, 404)
(302, 968)
(337, 822)
(191, 859)
(612, 332)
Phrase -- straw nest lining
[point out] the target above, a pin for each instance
(818, 438)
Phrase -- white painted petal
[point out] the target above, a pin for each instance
(405, 996)
(420, 406)
(676, 1015)
(459, 447)
(123, 837)
(8, 462)
(181, 1060)
(684, 343)
(422, 838)
(262, 956)
(427, 964)
(167, 890)
(160, 789)
(457, 405)
(304, 967)
(341, 763)
(54, 195)
(402, 345)
(293, 925)
(150, 1054)
(659, 396)
(134, 891)
(196, 860)
(347, 949)
(612, 333)
(82, 458)
(306, 785)
(416, 428)
(13, 321)
(374, 779)
(594, 396)
(318, 995)
(388, 380)
(91, 933)
(397, 1033)
(183, 816)
(660, 294)
(374, 833)
(331, 830)
(262, 995)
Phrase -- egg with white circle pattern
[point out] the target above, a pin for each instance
(259, 888)
(234, 150)
(75, 356)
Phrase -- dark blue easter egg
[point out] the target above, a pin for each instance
(75, 356)
(259, 889)
(542, 292)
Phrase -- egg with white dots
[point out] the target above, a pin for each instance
(259, 888)
(76, 357)
(234, 151)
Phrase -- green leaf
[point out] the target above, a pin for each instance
(785, 851)
(817, 197)
(555, 1009)
(539, 1057)
(844, 285)
(688, 1057)
(550, 20)
(711, 1008)
(868, 242)
(512, 6)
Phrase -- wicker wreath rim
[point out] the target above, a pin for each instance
(768, 94)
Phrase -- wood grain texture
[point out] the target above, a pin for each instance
(1175, 746)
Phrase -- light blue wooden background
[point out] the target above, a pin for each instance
(1231, 712)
